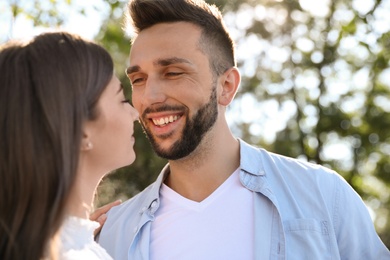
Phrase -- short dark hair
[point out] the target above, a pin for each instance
(49, 87)
(215, 40)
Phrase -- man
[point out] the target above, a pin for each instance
(220, 198)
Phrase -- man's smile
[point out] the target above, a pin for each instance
(165, 120)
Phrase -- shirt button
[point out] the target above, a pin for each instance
(143, 210)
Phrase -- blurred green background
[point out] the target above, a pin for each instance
(315, 83)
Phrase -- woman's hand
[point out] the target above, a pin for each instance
(100, 216)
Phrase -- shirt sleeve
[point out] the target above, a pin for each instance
(354, 228)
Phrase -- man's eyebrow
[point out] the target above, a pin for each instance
(132, 69)
(170, 61)
(159, 62)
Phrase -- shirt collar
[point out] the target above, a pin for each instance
(153, 200)
(250, 161)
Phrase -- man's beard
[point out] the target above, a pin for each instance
(193, 132)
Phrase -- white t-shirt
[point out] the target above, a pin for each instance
(219, 227)
(77, 240)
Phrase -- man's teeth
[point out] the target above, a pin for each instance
(165, 120)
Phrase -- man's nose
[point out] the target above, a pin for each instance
(154, 92)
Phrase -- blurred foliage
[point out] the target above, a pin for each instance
(333, 63)
(321, 72)
(43, 13)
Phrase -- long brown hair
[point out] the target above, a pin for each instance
(48, 88)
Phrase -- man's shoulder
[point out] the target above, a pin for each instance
(276, 167)
(132, 209)
(262, 158)
(134, 204)
(123, 221)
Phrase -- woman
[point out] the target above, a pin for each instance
(64, 124)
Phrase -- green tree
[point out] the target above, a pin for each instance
(42, 13)
(322, 71)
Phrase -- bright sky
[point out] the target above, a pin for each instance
(87, 25)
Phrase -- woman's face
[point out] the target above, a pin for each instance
(111, 133)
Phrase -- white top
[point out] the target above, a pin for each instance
(219, 227)
(77, 240)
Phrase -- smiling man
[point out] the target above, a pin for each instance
(219, 197)
(176, 91)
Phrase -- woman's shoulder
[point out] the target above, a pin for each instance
(77, 240)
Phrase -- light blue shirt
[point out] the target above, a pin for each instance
(316, 214)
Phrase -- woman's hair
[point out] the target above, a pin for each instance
(49, 87)
(215, 40)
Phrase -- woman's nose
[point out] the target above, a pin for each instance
(134, 113)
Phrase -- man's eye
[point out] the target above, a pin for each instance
(172, 74)
(136, 81)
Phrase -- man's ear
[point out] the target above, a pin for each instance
(230, 81)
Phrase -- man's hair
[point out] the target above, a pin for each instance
(215, 40)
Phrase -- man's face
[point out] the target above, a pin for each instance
(173, 88)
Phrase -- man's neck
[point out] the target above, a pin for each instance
(201, 173)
